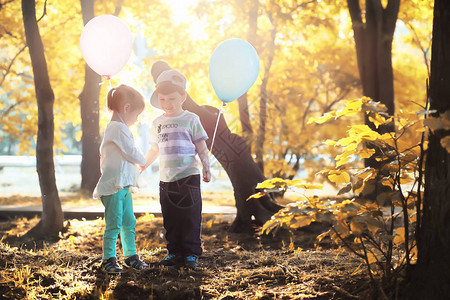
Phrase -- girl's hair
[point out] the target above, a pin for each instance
(124, 94)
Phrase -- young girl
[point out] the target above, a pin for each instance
(118, 159)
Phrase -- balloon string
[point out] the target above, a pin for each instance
(108, 79)
(217, 125)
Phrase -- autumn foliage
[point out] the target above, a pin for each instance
(381, 231)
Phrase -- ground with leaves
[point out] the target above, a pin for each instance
(234, 266)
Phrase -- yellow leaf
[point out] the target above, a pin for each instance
(359, 186)
(342, 161)
(351, 146)
(385, 137)
(366, 153)
(322, 235)
(307, 186)
(300, 221)
(345, 154)
(356, 227)
(257, 195)
(339, 177)
(346, 141)
(399, 236)
(371, 258)
(363, 132)
(78, 135)
(354, 104)
(271, 183)
(387, 181)
(269, 226)
(330, 142)
(377, 120)
(322, 119)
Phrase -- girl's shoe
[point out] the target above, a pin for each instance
(134, 262)
(171, 260)
(110, 265)
(191, 262)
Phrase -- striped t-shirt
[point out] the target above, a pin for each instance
(176, 138)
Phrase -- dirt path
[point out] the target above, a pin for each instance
(233, 266)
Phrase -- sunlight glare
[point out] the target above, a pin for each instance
(182, 14)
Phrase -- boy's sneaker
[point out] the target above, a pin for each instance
(110, 265)
(171, 260)
(135, 263)
(191, 262)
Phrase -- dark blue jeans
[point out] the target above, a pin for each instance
(181, 206)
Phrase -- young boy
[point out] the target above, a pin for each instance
(177, 136)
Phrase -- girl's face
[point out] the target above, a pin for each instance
(171, 103)
(130, 116)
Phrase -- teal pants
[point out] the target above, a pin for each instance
(119, 217)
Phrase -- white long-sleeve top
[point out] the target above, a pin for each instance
(118, 158)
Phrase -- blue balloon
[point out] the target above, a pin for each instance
(233, 68)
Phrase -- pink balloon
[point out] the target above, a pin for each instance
(106, 44)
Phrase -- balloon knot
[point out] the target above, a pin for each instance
(107, 79)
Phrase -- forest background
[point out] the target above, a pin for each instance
(308, 67)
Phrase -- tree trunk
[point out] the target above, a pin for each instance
(52, 216)
(244, 114)
(233, 153)
(373, 42)
(261, 133)
(89, 106)
(431, 276)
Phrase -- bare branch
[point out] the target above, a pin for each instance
(8, 69)
(118, 8)
(44, 13)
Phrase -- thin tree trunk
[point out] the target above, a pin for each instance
(233, 153)
(431, 277)
(261, 133)
(244, 114)
(52, 216)
(89, 106)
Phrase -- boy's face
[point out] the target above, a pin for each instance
(171, 103)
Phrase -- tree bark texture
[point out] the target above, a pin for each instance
(233, 153)
(52, 216)
(89, 106)
(431, 276)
